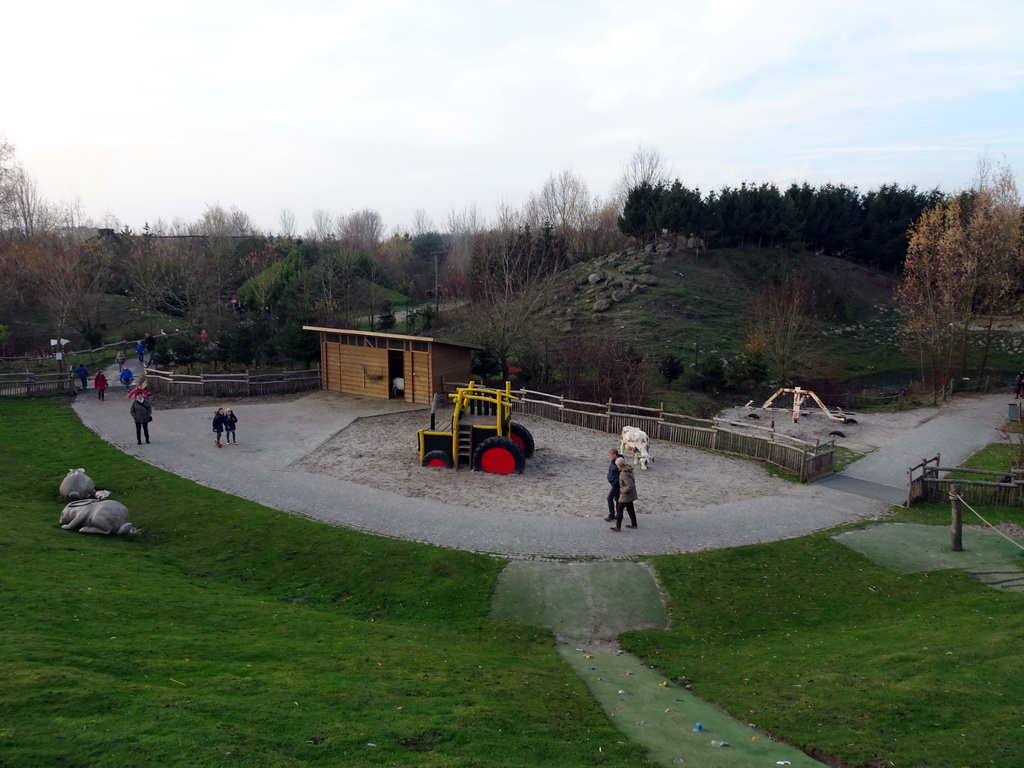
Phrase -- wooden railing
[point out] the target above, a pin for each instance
(27, 384)
(231, 384)
(998, 489)
(808, 461)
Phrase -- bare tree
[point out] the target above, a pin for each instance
(323, 226)
(780, 322)
(361, 231)
(461, 229)
(645, 166)
(421, 223)
(286, 221)
(564, 203)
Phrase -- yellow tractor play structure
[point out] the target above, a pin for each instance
(482, 435)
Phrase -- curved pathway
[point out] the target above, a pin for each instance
(274, 436)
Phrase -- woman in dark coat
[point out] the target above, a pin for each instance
(219, 422)
(627, 495)
(142, 413)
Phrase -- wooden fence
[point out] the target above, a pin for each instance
(231, 384)
(27, 384)
(1000, 489)
(806, 460)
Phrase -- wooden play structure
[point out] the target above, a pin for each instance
(482, 434)
(799, 397)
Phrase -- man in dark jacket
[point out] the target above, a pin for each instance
(613, 479)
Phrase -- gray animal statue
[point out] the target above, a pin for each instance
(96, 516)
(77, 485)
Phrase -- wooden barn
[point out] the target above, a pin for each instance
(389, 365)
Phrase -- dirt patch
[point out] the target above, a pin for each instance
(565, 476)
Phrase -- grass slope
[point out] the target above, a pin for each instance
(231, 634)
(816, 644)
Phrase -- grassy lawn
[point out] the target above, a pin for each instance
(230, 634)
(815, 644)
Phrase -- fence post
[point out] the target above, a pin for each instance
(957, 543)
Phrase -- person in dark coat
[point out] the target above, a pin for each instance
(150, 342)
(142, 413)
(219, 421)
(230, 420)
(627, 495)
(83, 374)
(613, 481)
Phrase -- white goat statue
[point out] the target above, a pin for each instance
(636, 440)
(97, 516)
(77, 485)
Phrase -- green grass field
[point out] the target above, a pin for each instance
(231, 634)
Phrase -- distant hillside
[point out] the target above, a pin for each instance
(666, 301)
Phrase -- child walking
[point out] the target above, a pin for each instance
(219, 420)
(230, 420)
(99, 382)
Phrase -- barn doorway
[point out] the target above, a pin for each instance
(396, 374)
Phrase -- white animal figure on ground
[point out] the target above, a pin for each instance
(77, 485)
(96, 516)
(636, 440)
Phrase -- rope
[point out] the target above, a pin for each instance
(986, 522)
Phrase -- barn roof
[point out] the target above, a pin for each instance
(390, 336)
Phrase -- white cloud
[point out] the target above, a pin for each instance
(156, 111)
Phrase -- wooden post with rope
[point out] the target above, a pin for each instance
(957, 531)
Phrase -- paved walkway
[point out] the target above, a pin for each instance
(274, 436)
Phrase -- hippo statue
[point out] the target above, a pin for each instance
(77, 485)
(96, 516)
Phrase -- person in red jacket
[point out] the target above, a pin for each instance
(100, 382)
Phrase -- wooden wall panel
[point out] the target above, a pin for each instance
(449, 364)
(358, 370)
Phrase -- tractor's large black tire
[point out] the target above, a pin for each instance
(438, 459)
(499, 455)
(521, 436)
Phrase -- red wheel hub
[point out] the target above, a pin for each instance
(498, 461)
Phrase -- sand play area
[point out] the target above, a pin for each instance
(566, 475)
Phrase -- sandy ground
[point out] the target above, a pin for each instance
(566, 475)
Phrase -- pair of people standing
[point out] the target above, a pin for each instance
(623, 491)
(224, 421)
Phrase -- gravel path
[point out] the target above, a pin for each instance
(352, 461)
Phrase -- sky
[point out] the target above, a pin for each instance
(142, 111)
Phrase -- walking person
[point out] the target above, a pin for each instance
(99, 381)
(613, 481)
(142, 413)
(150, 341)
(127, 377)
(1018, 385)
(83, 375)
(140, 350)
(230, 420)
(627, 495)
(120, 360)
(219, 420)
